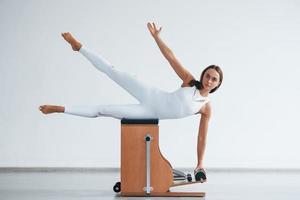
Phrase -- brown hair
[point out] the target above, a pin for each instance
(198, 84)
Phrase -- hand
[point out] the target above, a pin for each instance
(153, 30)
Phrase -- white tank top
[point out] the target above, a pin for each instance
(183, 102)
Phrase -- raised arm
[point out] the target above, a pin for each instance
(183, 74)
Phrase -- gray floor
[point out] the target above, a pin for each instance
(91, 185)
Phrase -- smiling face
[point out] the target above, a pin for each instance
(211, 78)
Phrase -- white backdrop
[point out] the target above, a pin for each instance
(255, 112)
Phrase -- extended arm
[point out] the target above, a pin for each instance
(183, 74)
(202, 134)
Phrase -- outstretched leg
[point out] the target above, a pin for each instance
(132, 85)
(134, 111)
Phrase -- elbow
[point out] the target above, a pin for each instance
(170, 57)
(206, 116)
(206, 113)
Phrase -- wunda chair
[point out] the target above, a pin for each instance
(144, 170)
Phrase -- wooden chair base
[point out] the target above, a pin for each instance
(140, 155)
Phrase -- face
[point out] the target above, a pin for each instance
(211, 79)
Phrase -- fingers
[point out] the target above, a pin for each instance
(154, 26)
(153, 29)
(157, 30)
(149, 26)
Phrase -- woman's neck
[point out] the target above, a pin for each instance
(204, 93)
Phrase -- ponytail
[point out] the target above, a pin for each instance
(195, 83)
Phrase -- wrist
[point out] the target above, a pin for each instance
(156, 37)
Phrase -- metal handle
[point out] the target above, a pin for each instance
(148, 187)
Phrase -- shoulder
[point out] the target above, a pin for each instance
(206, 110)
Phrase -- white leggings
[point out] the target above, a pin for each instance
(133, 86)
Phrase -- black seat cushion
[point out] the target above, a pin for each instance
(139, 121)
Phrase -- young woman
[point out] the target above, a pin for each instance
(189, 99)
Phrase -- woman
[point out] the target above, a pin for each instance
(191, 98)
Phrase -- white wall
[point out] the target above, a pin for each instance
(255, 113)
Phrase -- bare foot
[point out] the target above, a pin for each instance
(72, 41)
(47, 109)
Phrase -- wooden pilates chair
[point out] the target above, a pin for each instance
(144, 170)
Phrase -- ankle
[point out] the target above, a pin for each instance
(59, 109)
(78, 46)
(56, 109)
